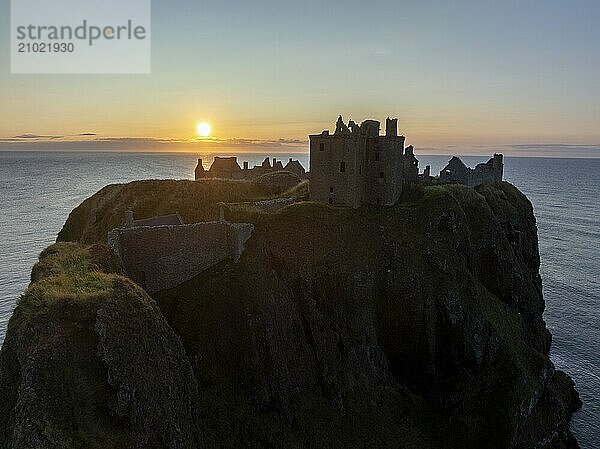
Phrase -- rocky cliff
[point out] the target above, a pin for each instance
(417, 326)
(90, 362)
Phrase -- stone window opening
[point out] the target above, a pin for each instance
(377, 157)
(330, 189)
(321, 147)
(342, 167)
(381, 175)
(360, 169)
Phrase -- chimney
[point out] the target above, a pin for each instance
(245, 165)
(274, 162)
(129, 219)
(498, 167)
(198, 173)
(290, 159)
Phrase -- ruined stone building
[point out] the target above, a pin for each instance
(228, 168)
(159, 253)
(356, 165)
(490, 171)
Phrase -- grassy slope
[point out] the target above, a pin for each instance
(66, 275)
(194, 200)
(89, 362)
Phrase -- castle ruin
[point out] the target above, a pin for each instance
(356, 165)
(159, 257)
(228, 168)
(352, 167)
(457, 172)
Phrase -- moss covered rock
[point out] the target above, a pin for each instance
(90, 362)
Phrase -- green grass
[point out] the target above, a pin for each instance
(300, 191)
(78, 335)
(67, 272)
(52, 331)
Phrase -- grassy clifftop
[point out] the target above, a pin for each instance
(418, 325)
(90, 362)
(194, 200)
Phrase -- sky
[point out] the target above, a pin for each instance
(462, 76)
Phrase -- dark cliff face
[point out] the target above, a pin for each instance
(413, 326)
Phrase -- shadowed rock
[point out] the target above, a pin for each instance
(89, 361)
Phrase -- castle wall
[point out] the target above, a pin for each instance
(372, 174)
(385, 166)
(162, 257)
(338, 169)
(228, 168)
(491, 171)
(484, 174)
(357, 165)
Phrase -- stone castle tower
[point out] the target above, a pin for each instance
(356, 165)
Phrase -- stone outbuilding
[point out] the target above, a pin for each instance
(160, 253)
(229, 168)
(296, 168)
(457, 172)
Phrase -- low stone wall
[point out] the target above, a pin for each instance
(162, 257)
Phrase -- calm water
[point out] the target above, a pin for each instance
(38, 190)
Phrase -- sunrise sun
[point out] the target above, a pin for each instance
(203, 129)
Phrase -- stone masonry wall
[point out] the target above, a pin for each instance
(328, 183)
(162, 257)
(350, 170)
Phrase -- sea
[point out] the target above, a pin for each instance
(39, 189)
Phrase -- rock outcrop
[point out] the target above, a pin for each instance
(413, 326)
(90, 362)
